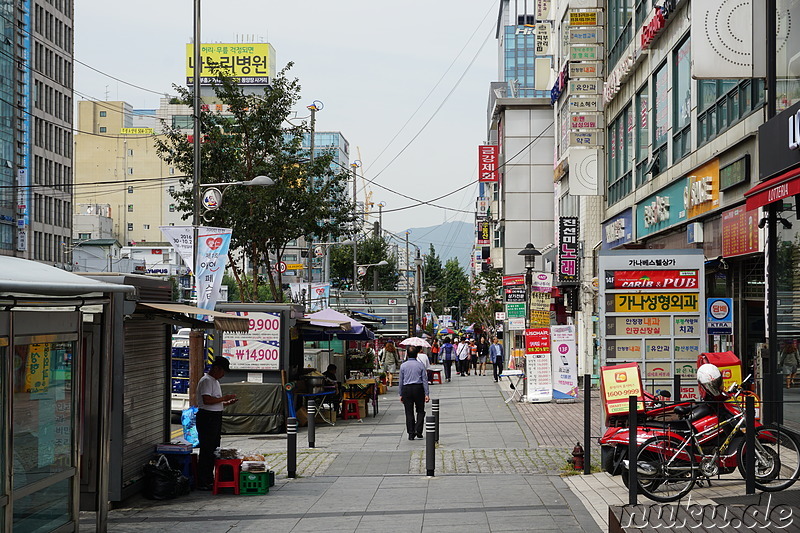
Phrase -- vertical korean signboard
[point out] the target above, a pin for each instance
(537, 365)
(568, 258)
(653, 313)
(487, 162)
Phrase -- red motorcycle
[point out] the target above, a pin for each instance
(683, 443)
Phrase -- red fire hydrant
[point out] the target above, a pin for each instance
(577, 456)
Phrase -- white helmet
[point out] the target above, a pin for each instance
(710, 379)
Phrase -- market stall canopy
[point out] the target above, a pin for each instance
(222, 321)
(356, 330)
(25, 277)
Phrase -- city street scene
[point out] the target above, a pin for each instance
(480, 266)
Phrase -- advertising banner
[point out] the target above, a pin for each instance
(540, 378)
(259, 348)
(484, 232)
(487, 162)
(514, 294)
(515, 279)
(617, 383)
(212, 255)
(719, 316)
(739, 232)
(564, 355)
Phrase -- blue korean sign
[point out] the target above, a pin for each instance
(618, 230)
(719, 316)
(661, 210)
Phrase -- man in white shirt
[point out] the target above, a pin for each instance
(422, 357)
(210, 403)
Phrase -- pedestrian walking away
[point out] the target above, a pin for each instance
(210, 403)
(413, 392)
(422, 357)
(496, 354)
(463, 357)
(390, 360)
(448, 353)
(789, 360)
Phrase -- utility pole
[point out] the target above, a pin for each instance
(408, 287)
(313, 108)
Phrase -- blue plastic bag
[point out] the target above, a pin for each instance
(188, 417)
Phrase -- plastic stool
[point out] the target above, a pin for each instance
(436, 376)
(235, 466)
(350, 409)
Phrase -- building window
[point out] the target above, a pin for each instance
(130, 153)
(102, 113)
(130, 170)
(145, 226)
(660, 107)
(183, 122)
(681, 100)
(171, 189)
(130, 208)
(642, 133)
(171, 208)
(620, 29)
(130, 226)
(723, 103)
(103, 129)
(787, 56)
(620, 155)
(171, 171)
(84, 236)
(130, 190)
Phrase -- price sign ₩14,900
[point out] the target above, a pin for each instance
(259, 348)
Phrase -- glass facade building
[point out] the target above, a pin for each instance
(7, 148)
(519, 45)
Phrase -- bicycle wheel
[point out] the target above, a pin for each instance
(777, 459)
(664, 476)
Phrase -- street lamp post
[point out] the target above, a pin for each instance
(529, 254)
(364, 271)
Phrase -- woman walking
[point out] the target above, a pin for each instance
(389, 360)
(483, 353)
(473, 357)
(435, 352)
(789, 359)
(448, 352)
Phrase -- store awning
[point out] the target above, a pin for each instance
(368, 317)
(772, 190)
(222, 321)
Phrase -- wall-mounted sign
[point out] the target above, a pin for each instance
(652, 302)
(586, 52)
(719, 316)
(735, 173)
(739, 232)
(515, 310)
(537, 340)
(586, 69)
(617, 76)
(618, 230)
(585, 121)
(513, 279)
(701, 192)
(584, 103)
(544, 9)
(484, 232)
(586, 86)
(586, 138)
(137, 131)
(487, 162)
(544, 32)
(482, 207)
(516, 324)
(661, 210)
(585, 35)
(514, 294)
(652, 279)
(499, 316)
(627, 326)
(249, 63)
(568, 253)
(586, 18)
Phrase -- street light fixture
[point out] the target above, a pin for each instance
(362, 271)
(529, 254)
(349, 242)
(214, 192)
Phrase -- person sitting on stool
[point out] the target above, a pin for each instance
(413, 389)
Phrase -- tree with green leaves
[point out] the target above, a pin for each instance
(371, 250)
(484, 299)
(432, 267)
(455, 289)
(251, 138)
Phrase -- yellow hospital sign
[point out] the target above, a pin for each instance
(248, 63)
(653, 303)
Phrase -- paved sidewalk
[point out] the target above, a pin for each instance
(367, 475)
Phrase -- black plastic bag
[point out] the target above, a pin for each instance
(161, 482)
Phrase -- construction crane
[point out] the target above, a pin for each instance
(368, 203)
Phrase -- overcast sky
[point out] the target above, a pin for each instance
(371, 63)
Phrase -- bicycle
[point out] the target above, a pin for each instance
(668, 465)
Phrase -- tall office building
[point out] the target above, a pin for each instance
(516, 40)
(43, 129)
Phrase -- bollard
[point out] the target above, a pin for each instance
(750, 445)
(435, 409)
(633, 481)
(430, 445)
(312, 419)
(291, 447)
(587, 424)
(676, 388)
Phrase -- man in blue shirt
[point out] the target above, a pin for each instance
(496, 355)
(413, 390)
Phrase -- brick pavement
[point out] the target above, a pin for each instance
(560, 424)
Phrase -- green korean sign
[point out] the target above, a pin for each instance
(515, 310)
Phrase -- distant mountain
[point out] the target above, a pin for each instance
(451, 239)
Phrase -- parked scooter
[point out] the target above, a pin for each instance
(677, 444)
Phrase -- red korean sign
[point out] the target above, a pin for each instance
(537, 341)
(739, 232)
(488, 155)
(516, 279)
(652, 279)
